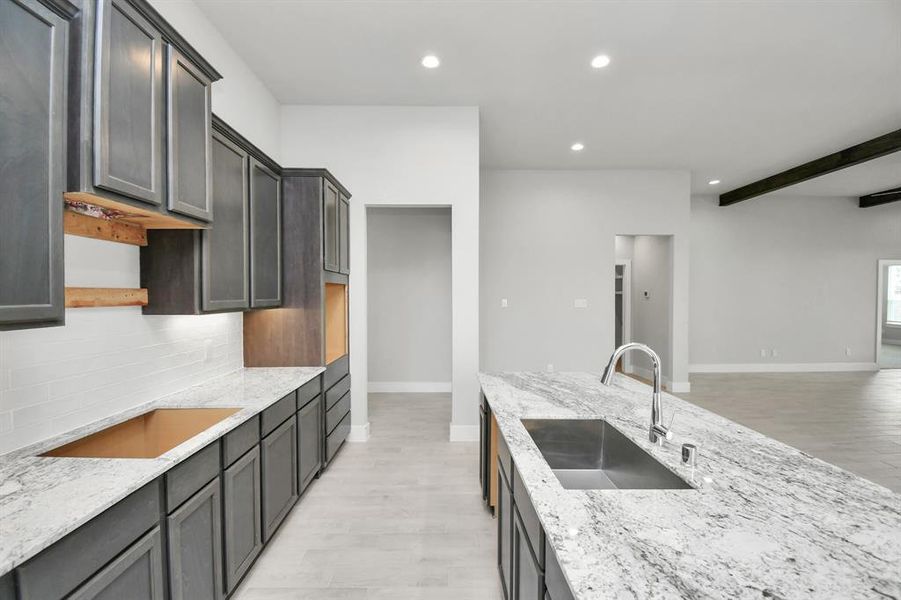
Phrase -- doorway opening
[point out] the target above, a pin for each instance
(888, 315)
(409, 315)
(643, 288)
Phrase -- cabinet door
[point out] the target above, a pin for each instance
(32, 161)
(505, 534)
(189, 128)
(344, 234)
(243, 522)
(279, 450)
(484, 434)
(128, 104)
(330, 227)
(136, 574)
(528, 580)
(265, 237)
(195, 547)
(309, 442)
(225, 246)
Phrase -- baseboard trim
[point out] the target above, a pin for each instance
(407, 387)
(358, 433)
(783, 367)
(680, 387)
(464, 433)
(676, 387)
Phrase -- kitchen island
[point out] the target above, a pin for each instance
(763, 520)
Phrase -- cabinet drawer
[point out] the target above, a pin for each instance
(241, 439)
(186, 478)
(529, 517)
(276, 414)
(56, 571)
(308, 391)
(337, 412)
(335, 370)
(136, 574)
(554, 580)
(337, 392)
(337, 437)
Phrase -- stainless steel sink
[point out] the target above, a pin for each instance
(590, 454)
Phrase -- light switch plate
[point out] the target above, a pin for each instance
(580, 303)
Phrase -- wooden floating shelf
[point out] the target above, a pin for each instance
(81, 297)
(79, 224)
(117, 212)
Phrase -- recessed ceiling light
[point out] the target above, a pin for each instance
(600, 61)
(577, 147)
(713, 182)
(430, 61)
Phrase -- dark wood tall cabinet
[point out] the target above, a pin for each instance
(33, 97)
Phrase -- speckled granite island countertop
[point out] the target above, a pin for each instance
(767, 520)
(42, 499)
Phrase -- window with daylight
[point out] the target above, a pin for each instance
(893, 295)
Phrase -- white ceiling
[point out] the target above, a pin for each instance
(733, 90)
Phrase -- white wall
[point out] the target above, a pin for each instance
(107, 360)
(652, 261)
(794, 274)
(409, 291)
(402, 156)
(240, 98)
(548, 237)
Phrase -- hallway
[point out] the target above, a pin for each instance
(398, 518)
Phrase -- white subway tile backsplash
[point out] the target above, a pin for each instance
(105, 361)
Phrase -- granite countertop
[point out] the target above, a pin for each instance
(766, 520)
(42, 499)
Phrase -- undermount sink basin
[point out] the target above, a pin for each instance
(147, 435)
(590, 454)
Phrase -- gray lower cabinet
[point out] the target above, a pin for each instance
(128, 103)
(7, 587)
(309, 442)
(528, 578)
(265, 236)
(195, 547)
(225, 247)
(136, 574)
(33, 97)
(243, 521)
(279, 454)
(505, 534)
(554, 580)
(188, 137)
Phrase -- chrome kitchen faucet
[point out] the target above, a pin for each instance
(658, 432)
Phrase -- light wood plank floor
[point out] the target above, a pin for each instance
(852, 420)
(397, 518)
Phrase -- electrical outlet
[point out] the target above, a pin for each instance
(580, 303)
(847, 351)
(775, 353)
(763, 353)
(504, 303)
(550, 368)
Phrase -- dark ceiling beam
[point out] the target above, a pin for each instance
(878, 198)
(875, 148)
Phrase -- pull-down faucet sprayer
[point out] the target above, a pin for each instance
(657, 432)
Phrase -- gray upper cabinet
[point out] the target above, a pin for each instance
(128, 104)
(225, 250)
(189, 131)
(330, 235)
(344, 235)
(33, 93)
(195, 547)
(136, 574)
(265, 236)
